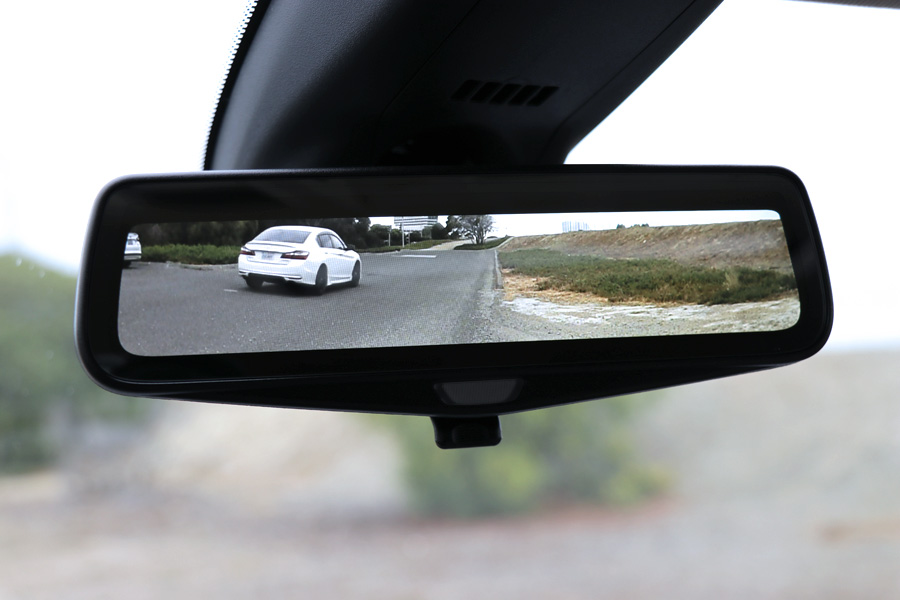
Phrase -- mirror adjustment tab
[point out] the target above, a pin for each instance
(466, 432)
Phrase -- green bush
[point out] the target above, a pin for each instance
(41, 380)
(575, 454)
(751, 285)
(484, 246)
(647, 279)
(200, 254)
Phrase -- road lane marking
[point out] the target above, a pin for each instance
(232, 291)
(416, 255)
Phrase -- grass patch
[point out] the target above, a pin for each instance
(378, 249)
(647, 280)
(423, 245)
(484, 246)
(200, 254)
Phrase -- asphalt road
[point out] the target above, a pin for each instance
(404, 299)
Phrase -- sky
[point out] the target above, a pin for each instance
(549, 223)
(107, 88)
(542, 224)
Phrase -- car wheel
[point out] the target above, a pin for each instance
(354, 278)
(254, 283)
(321, 280)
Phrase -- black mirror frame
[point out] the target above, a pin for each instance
(408, 380)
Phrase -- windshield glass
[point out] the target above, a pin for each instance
(779, 484)
(291, 236)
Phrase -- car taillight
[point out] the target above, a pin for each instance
(247, 252)
(298, 255)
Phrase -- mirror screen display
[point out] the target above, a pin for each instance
(262, 286)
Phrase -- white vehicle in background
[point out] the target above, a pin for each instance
(132, 249)
(309, 256)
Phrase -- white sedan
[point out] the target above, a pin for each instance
(310, 256)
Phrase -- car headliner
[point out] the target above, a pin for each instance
(402, 82)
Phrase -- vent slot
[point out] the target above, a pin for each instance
(505, 93)
(509, 94)
(524, 94)
(465, 90)
(542, 96)
(487, 90)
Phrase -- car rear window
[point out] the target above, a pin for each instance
(282, 235)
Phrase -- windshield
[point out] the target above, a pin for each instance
(780, 484)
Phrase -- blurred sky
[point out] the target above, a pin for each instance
(97, 89)
(550, 223)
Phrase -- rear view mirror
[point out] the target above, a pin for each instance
(525, 289)
(262, 287)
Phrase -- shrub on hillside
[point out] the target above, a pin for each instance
(45, 395)
(653, 280)
(566, 455)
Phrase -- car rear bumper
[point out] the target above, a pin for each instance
(275, 278)
(295, 271)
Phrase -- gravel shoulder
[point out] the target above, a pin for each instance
(526, 314)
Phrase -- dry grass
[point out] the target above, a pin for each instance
(645, 280)
(516, 285)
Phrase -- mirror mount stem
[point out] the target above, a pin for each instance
(466, 432)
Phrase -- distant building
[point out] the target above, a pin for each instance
(569, 226)
(408, 224)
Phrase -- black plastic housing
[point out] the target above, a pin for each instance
(458, 82)
(410, 380)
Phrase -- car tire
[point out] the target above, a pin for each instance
(321, 280)
(354, 278)
(254, 283)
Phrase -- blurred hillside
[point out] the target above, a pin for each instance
(46, 400)
(784, 487)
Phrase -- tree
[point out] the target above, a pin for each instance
(476, 226)
(217, 233)
(452, 229)
(381, 233)
(352, 230)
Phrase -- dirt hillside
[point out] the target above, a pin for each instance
(759, 244)
(785, 487)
